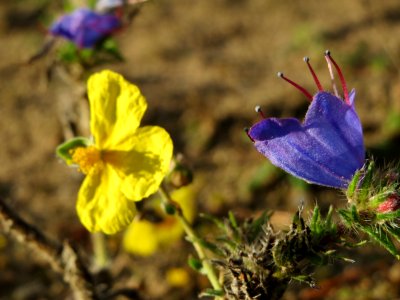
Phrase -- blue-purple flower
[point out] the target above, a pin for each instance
(327, 148)
(85, 27)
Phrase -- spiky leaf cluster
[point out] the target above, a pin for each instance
(259, 262)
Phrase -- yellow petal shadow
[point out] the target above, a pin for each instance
(145, 164)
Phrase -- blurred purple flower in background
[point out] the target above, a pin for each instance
(327, 148)
(107, 5)
(84, 27)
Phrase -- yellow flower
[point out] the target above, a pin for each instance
(144, 237)
(124, 163)
(177, 277)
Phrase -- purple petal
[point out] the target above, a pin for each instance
(326, 149)
(84, 27)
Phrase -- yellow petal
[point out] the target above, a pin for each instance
(116, 108)
(145, 164)
(186, 197)
(169, 231)
(140, 238)
(101, 205)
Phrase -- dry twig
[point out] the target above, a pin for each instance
(63, 258)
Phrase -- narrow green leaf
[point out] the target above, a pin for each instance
(213, 219)
(380, 236)
(346, 216)
(212, 293)
(64, 150)
(257, 225)
(354, 214)
(366, 183)
(379, 198)
(353, 185)
(329, 217)
(305, 279)
(388, 216)
(232, 219)
(210, 246)
(315, 219)
(394, 231)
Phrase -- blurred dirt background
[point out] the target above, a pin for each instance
(203, 67)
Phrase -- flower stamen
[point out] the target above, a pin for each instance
(259, 111)
(307, 61)
(300, 88)
(341, 77)
(87, 158)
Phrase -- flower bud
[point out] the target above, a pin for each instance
(391, 204)
(180, 174)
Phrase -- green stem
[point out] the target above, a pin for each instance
(101, 258)
(207, 267)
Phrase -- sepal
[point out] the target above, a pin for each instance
(64, 150)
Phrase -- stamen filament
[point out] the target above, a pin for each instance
(317, 82)
(247, 132)
(341, 77)
(259, 111)
(332, 77)
(300, 88)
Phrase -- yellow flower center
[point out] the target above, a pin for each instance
(87, 158)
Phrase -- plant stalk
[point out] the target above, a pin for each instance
(207, 267)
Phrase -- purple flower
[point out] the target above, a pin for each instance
(327, 148)
(85, 27)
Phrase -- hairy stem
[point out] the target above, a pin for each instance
(207, 267)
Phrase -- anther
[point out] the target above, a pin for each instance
(300, 88)
(341, 77)
(307, 61)
(246, 129)
(259, 111)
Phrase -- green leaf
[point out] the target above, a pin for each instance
(86, 54)
(366, 183)
(328, 221)
(210, 246)
(168, 208)
(379, 235)
(257, 225)
(68, 53)
(111, 47)
(346, 216)
(213, 219)
(394, 231)
(232, 219)
(321, 227)
(212, 293)
(305, 279)
(353, 185)
(380, 197)
(315, 219)
(64, 150)
(354, 214)
(388, 216)
(195, 264)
